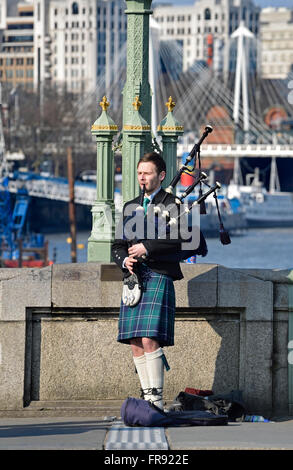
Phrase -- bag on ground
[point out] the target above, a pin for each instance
(230, 404)
(137, 412)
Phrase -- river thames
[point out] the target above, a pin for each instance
(255, 248)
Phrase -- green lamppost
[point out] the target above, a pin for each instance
(137, 84)
(170, 129)
(103, 209)
(137, 132)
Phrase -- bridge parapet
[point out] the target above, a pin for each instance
(59, 328)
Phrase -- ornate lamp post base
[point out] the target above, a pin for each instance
(102, 235)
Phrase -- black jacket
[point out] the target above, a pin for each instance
(154, 247)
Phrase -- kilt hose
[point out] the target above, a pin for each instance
(154, 315)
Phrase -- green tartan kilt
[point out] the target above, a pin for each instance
(154, 316)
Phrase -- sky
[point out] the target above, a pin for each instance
(261, 3)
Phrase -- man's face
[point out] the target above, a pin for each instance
(147, 175)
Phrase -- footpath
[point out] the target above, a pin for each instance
(103, 430)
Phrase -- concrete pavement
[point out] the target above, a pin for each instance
(52, 434)
(83, 431)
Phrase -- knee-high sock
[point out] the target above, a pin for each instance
(155, 369)
(141, 368)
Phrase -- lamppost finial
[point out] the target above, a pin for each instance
(170, 104)
(104, 104)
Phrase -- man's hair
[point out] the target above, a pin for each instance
(156, 159)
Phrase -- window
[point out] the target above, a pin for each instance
(75, 8)
(20, 26)
(20, 39)
(207, 14)
(26, 13)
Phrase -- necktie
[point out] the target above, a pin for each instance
(145, 203)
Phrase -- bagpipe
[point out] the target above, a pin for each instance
(195, 152)
(132, 287)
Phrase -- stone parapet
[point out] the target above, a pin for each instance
(59, 327)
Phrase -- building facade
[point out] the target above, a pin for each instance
(17, 46)
(276, 42)
(205, 29)
(72, 44)
(78, 42)
(65, 44)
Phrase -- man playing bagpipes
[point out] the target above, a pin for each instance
(151, 264)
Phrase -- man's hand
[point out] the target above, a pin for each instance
(128, 263)
(137, 250)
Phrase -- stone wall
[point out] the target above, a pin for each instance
(59, 327)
